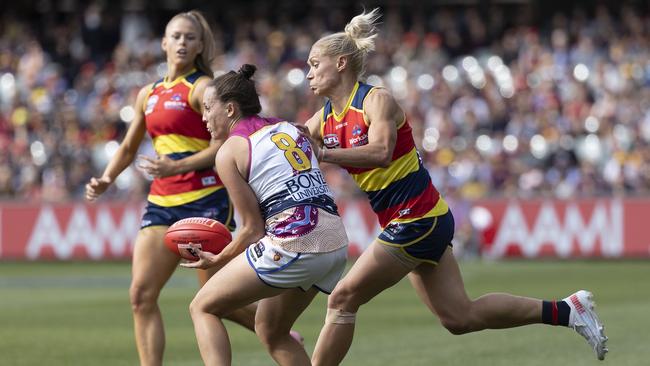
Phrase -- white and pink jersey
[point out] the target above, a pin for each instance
(283, 171)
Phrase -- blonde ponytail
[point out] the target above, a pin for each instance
(356, 41)
(362, 30)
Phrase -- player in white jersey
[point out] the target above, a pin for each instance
(299, 245)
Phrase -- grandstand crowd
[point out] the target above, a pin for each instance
(523, 105)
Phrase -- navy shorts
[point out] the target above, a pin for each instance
(216, 206)
(423, 240)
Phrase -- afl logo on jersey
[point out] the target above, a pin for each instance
(331, 141)
(151, 103)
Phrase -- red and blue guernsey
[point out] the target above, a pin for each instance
(403, 191)
(178, 131)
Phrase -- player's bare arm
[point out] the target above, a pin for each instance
(164, 166)
(232, 167)
(127, 151)
(314, 126)
(383, 114)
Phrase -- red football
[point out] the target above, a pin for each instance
(211, 236)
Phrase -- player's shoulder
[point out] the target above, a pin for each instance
(316, 118)
(234, 144)
(378, 93)
(380, 98)
(147, 88)
(144, 92)
(202, 80)
(200, 84)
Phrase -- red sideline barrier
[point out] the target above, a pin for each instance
(608, 228)
(107, 231)
(68, 231)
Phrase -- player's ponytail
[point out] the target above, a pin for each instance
(362, 30)
(247, 70)
(240, 88)
(356, 41)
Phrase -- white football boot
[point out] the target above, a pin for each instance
(584, 320)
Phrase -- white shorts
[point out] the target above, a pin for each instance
(281, 268)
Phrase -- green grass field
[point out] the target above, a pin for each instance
(78, 314)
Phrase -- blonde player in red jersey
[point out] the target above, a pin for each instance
(363, 129)
(185, 184)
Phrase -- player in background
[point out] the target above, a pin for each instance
(291, 243)
(364, 130)
(185, 183)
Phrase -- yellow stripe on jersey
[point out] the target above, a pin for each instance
(181, 198)
(170, 84)
(439, 209)
(187, 83)
(352, 108)
(146, 99)
(189, 94)
(365, 116)
(173, 143)
(338, 117)
(321, 122)
(380, 178)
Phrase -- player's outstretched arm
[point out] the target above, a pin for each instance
(125, 154)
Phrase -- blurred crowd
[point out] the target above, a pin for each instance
(502, 101)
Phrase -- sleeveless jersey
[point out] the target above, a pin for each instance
(403, 191)
(283, 171)
(178, 131)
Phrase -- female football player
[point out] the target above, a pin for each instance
(291, 243)
(185, 183)
(364, 130)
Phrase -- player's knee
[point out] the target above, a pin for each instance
(142, 299)
(200, 307)
(456, 326)
(269, 333)
(456, 322)
(343, 298)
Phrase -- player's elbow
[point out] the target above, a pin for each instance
(127, 152)
(252, 232)
(384, 159)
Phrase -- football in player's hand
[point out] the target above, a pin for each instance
(208, 234)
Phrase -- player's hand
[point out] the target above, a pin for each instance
(304, 130)
(160, 167)
(206, 259)
(96, 187)
(315, 146)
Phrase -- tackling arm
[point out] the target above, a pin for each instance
(382, 112)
